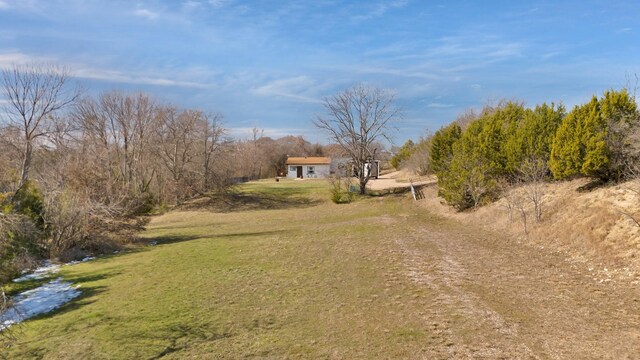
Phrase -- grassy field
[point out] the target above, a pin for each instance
(276, 271)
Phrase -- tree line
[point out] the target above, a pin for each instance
(76, 170)
(480, 155)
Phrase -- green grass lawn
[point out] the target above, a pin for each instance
(284, 273)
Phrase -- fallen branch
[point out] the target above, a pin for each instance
(629, 216)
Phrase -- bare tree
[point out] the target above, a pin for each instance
(519, 202)
(532, 173)
(211, 145)
(356, 119)
(34, 93)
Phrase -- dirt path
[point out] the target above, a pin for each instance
(396, 180)
(496, 298)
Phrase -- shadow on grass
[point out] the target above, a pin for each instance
(592, 185)
(389, 192)
(276, 199)
(172, 239)
(250, 234)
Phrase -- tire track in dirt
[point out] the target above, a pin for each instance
(444, 277)
(496, 298)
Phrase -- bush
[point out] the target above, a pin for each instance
(28, 201)
(19, 244)
(340, 193)
(402, 155)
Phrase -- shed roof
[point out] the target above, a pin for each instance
(310, 160)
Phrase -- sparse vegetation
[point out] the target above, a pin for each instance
(340, 189)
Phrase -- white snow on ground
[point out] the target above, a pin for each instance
(38, 301)
(46, 269)
(88, 258)
(42, 299)
(39, 273)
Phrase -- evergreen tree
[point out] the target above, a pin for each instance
(442, 147)
(591, 139)
(403, 154)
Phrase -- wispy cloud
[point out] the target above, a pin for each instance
(527, 12)
(116, 76)
(295, 88)
(17, 58)
(411, 72)
(379, 9)
(146, 13)
(436, 105)
(219, 3)
(83, 71)
(247, 132)
(477, 45)
(550, 55)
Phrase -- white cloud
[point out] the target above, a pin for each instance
(15, 58)
(87, 72)
(295, 88)
(146, 13)
(4, 5)
(219, 3)
(247, 132)
(550, 55)
(191, 5)
(380, 9)
(410, 73)
(436, 105)
(127, 78)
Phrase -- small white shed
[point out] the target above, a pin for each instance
(308, 167)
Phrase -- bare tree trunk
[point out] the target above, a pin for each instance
(26, 164)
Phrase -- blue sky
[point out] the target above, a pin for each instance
(269, 64)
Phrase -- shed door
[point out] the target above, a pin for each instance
(299, 172)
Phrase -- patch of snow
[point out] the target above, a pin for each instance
(88, 258)
(38, 301)
(46, 269)
(39, 273)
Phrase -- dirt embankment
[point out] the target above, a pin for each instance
(595, 227)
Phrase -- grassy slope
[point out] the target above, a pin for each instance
(305, 280)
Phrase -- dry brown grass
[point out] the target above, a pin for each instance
(593, 227)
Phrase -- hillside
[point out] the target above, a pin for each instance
(592, 227)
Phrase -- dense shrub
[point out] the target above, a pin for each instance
(592, 139)
(492, 149)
